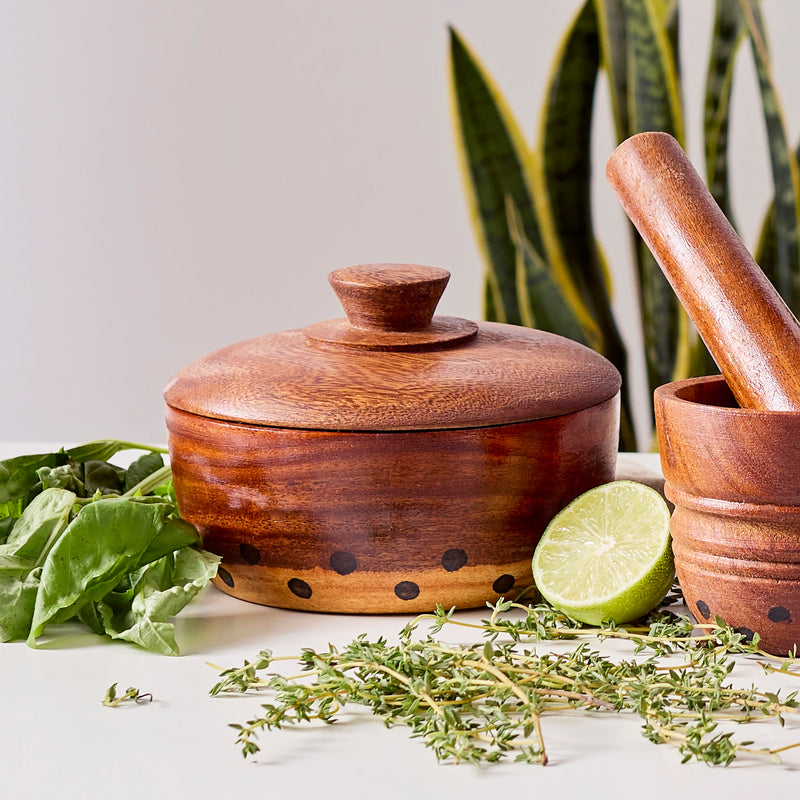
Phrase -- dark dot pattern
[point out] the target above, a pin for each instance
(299, 588)
(343, 563)
(703, 610)
(779, 614)
(746, 633)
(454, 559)
(406, 590)
(503, 584)
(225, 576)
(249, 553)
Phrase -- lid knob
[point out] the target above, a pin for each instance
(390, 307)
(389, 297)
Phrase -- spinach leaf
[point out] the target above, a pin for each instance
(40, 525)
(6, 524)
(141, 468)
(141, 614)
(90, 617)
(100, 476)
(18, 478)
(105, 541)
(173, 535)
(18, 589)
(67, 476)
(89, 477)
(22, 555)
(11, 508)
(82, 537)
(103, 449)
(85, 478)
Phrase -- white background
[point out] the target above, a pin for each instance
(177, 175)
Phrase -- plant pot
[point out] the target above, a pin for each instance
(733, 475)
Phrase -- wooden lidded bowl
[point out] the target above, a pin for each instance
(392, 460)
(734, 477)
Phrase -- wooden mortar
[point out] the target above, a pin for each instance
(733, 476)
(729, 446)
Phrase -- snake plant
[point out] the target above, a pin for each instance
(530, 202)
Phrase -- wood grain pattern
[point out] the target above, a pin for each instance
(390, 461)
(747, 327)
(389, 297)
(745, 582)
(734, 477)
(386, 522)
(711, 448)
(442, 332)
(390, 307)
(393, 366)
(505, 374)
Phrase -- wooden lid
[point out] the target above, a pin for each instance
(391, 365)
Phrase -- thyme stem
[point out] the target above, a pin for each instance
(482, 702)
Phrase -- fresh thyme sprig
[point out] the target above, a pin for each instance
(485, 702)
(662, 632)
(131, 695)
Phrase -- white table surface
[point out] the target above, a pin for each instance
(58, 741)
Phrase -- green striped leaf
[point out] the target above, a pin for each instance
(562, 191)
(654, 98)
(612, 23)
(542, 303)
(610, 16)
(543, 306)
(669, 13)
(496, 164)
(562, 181)
(765, 252)
(783, 267)
(728, 34)
(655, 105)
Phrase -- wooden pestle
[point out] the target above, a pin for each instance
(746, 325)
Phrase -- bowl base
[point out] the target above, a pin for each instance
(361, 592)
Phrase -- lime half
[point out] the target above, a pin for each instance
(607, 555)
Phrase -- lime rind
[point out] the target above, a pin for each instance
(607, 555)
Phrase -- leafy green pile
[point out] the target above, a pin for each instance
(84, 539)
